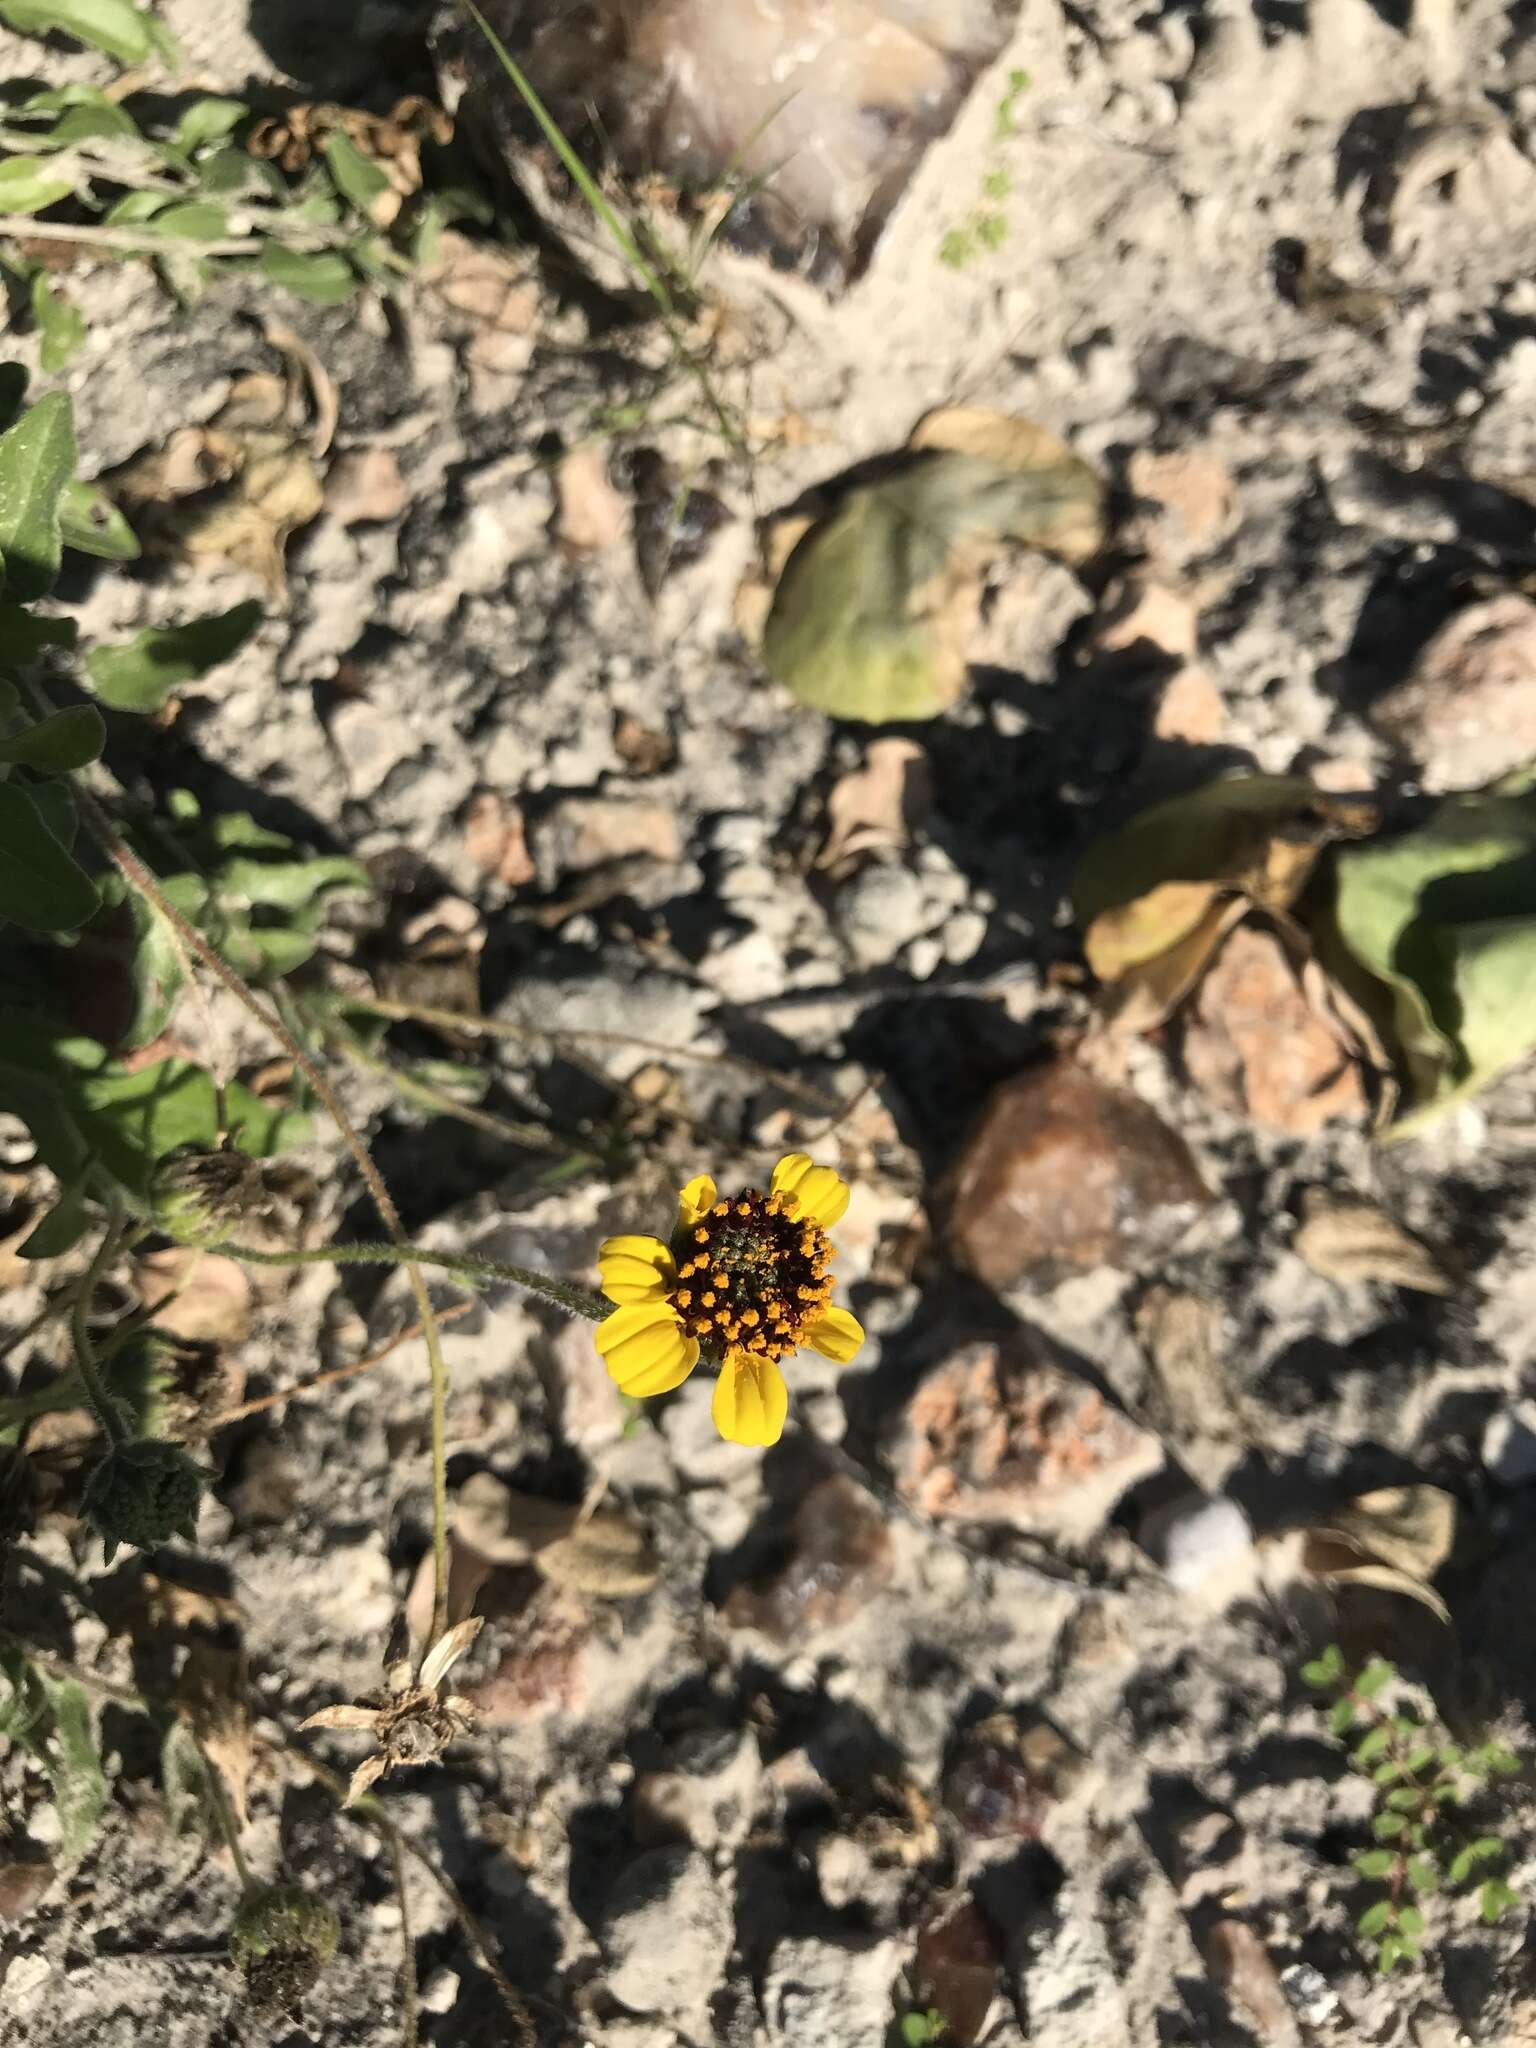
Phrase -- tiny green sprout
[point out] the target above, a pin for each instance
(1419, 1778)
(922, 2029)
(957, 248)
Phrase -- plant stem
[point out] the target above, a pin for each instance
(141, 241)
(139, 878)
(80, 1316)
(218, 1798)
(322, 1379)
(466, 1266)
(409, 2021)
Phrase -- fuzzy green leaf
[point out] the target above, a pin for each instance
(1375, 1862)
(1406, 1799)
(37, 460)
(1422, 1875)
(1495, 1899)
(357, 177)
(140, 674)
(1327, 1669)
(318, 274)
(92, 525)
(1341, 1716)
(196, 221)
(69, 739)
(42, 887)
(1374, 1919)
(61, 330)
(1411, 1922)
(208, 120)
(1371, 1745)
(1394, 1949)
(62, 1228)
(1376, 1675)
(1387, 1825)
(117, 27)
(24, 634)
(29, 183)
(1420, 1759)
(1384, 1774)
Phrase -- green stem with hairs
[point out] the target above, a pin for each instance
(79, 1321)
(466, 1266)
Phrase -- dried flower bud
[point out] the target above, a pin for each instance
(282, 1939)
(201, 1198)
(143, 1493)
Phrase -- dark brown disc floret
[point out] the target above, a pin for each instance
(752, 1274)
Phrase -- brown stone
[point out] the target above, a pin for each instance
(1255, 1046)
(957, 1964)
(593, 830)
(1006, 1777)
(1192, 491)
(994, 1435)
(495, 840)
(21, 1886)
(1466, 711)
(840, 1556)
(1065, 1171)
(1190, 709)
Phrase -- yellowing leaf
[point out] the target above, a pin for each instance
(874, 610)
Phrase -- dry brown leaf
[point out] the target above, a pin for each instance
(591, 515)
(875, 807)
(201, 1297)
(1182, 1335)
(467, 1574)
(1352, 1242)
(605, 1555)
(311, 387)
(213, 1690)
(508, 1527)
(1394, 1539)
(1077, 528)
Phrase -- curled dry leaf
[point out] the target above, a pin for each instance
(587, 1552)
(874, 611)
(237, 488)
(875, 807)
(1394, 1539)
(201, 1297)
(1354, 1242)
(1157, 898)
(1184, 1338)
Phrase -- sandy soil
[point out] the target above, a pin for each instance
(720, 1810)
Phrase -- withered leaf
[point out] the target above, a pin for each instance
(1353, 1242)
(1394, 1539)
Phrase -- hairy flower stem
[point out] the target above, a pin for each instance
(102, 1405)
(140, 879)
(466, 1266)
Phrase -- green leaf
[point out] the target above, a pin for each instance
(62, 1228)
(37, 460)
(51, 1717)
(1411, 1922)
(1327, 1669)
(115, 26)
(1386, 1825)
(68, 740)
(29, 183)
(318, 274)
(60, 328)
(1495, 1899)
(134, 208)
(1385, 1773)
(208, 120)
(1406, 1799)
(872, 611)
(1376, 1675)
(1420, 1759)
(1490, 1756)
(1375, 1862)
(1466, 1860)
(24, 635)
(92, 525)
(41, 887)
(140, 674)
(1340, 1716)
(1374, 1919)
(194, 221)
(1393, 1950)
(357, 177)
(1422, 1875)
(1372, 1745)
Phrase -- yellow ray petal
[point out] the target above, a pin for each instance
(636, 1269)
(751, 1400)
(821, 1193)
(696, 1200)
(835, 1334)
(644, 1349)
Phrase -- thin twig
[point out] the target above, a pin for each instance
(138, 876)
(529, 1136)
(102, 1405)
(335, 1374)
(501, 1027)
(409, 2005)
(144, 241)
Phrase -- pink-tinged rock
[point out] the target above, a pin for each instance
(994, 1434)
(840, 1556)
(1466, 710)
(1063, 1171)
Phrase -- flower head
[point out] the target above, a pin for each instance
(282, 1939)
(411, 1719)
(745, 1280)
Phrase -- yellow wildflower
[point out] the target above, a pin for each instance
(746, 1279)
